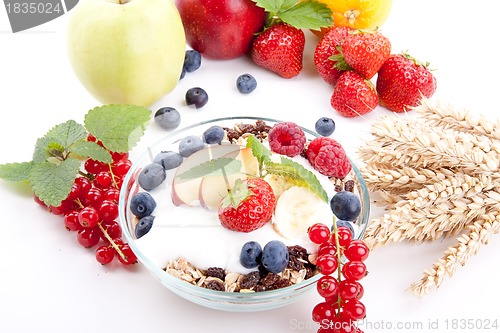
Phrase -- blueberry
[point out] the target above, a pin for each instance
(325, 126)
(192, 60)
(197, 97)
(214, 134)
(168, 159)
(167, 118)
(142, 204)
(246, 83)
(183, 73)
(190, 145)
(275, 256)
(348, 224)
(144, 225)
(345, 205)
(151, 176)
(251, 254)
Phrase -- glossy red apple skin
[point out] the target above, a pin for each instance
(221, 29)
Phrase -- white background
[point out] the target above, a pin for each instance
(49, 283)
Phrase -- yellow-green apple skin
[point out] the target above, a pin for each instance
(127, 53)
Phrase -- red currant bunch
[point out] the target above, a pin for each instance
(91, 208)
(341, 308)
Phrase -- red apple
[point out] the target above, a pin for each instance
(221, 29)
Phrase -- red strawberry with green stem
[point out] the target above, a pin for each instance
(353, 95)
(327, 47)
(365, 51)
(403, 81)
(248, 206)
(280, 47)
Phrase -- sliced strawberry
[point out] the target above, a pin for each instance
(353, 95)
(248, 206)
(366, 51)
(402, 82)
(327, 47)
(280, 49)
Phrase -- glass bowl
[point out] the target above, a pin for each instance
(227, 301)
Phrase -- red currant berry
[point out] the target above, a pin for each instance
(108, 210)
(94, 167)
(357, 251)
(65, 206)
(71, 222)
(93, 198)
(354, 310)
(355, 270)
(319, 233)
(327, 248)
(118, 156)
(39, 201)
(327, 286)
(88, 217)
(103, 180)
(129, 257)
(323, 313)
(104, 254)
(112, 194)
(344, 235)
(74, 193)
(122, 167)
(112, 228)
(327, 264)
(349, 289)
(361, 292)
(85, 185)
(118, 241)
(88, 237)
(91, 138)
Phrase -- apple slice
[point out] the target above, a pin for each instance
(185, 191)
(214, 188)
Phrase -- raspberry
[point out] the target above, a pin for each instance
(287, 138)
(328, 157)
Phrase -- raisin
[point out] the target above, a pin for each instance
(246, 128)
(260, 287)
(281, 283)
(270, 279)
(250, 280)
(297, 251)
(309, 271)
(338, 188)
(295, 264)
(349, 185)
(232, 135)
(216, 272)
(215, 285)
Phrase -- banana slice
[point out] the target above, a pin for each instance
(297, 209)
(279, 184)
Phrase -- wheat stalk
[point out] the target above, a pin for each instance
(468, 244)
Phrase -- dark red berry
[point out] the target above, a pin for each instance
(355, 270)
(88, 217)
(88, 237)
(104, 254)
(71, 222)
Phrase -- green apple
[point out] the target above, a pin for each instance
(127, 52)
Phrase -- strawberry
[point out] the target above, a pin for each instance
(403, 81)
(353, 95)
(366, 52)
(327, 47)
(280, 49)
(248, 206)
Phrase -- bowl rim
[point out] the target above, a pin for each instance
(214, 295)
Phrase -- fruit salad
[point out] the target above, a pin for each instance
(230, 209)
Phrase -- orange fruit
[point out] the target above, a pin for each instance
(358, 14)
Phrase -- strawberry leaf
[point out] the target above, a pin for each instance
(307, 15)
(91, 150)
(273, 6)
(215, 167)
(16, 172)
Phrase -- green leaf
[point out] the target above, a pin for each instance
(55, 149)
(273, 6)
(52, 182)
(299, 174)
(119, 127)
(237, 194)
(41, 153)
(91, 150)
(261, 153)
(16, 172)
(308, 15)
(67, 133)
(215, 167)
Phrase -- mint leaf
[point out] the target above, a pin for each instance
(67, 133)
(119, 127)
(91, 150)
(52, 182)
(41, 153)
(261, 153)
(215, 167)
(308, 15)
(55, 149)
(16, 172)
(299, 174)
